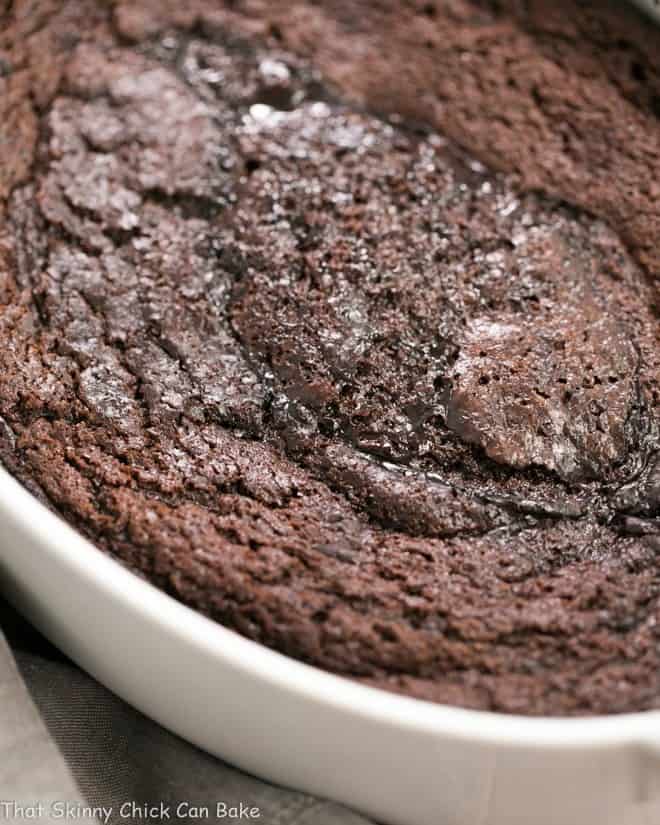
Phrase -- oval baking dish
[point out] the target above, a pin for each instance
(402, 761)
(399, 760)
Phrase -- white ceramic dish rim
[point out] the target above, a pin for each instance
(651, 7)
(137, 596)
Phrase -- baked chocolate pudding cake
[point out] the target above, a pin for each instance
(338, 322)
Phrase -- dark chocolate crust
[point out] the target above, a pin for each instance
(274, 336)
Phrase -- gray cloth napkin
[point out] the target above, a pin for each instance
(65, 739)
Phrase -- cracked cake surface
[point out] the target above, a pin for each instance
(339, 323)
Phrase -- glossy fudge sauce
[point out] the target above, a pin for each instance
(339, 323)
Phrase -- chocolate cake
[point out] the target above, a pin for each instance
(338, 322)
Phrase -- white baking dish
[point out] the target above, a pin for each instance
(400, 760)
(652, 7)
